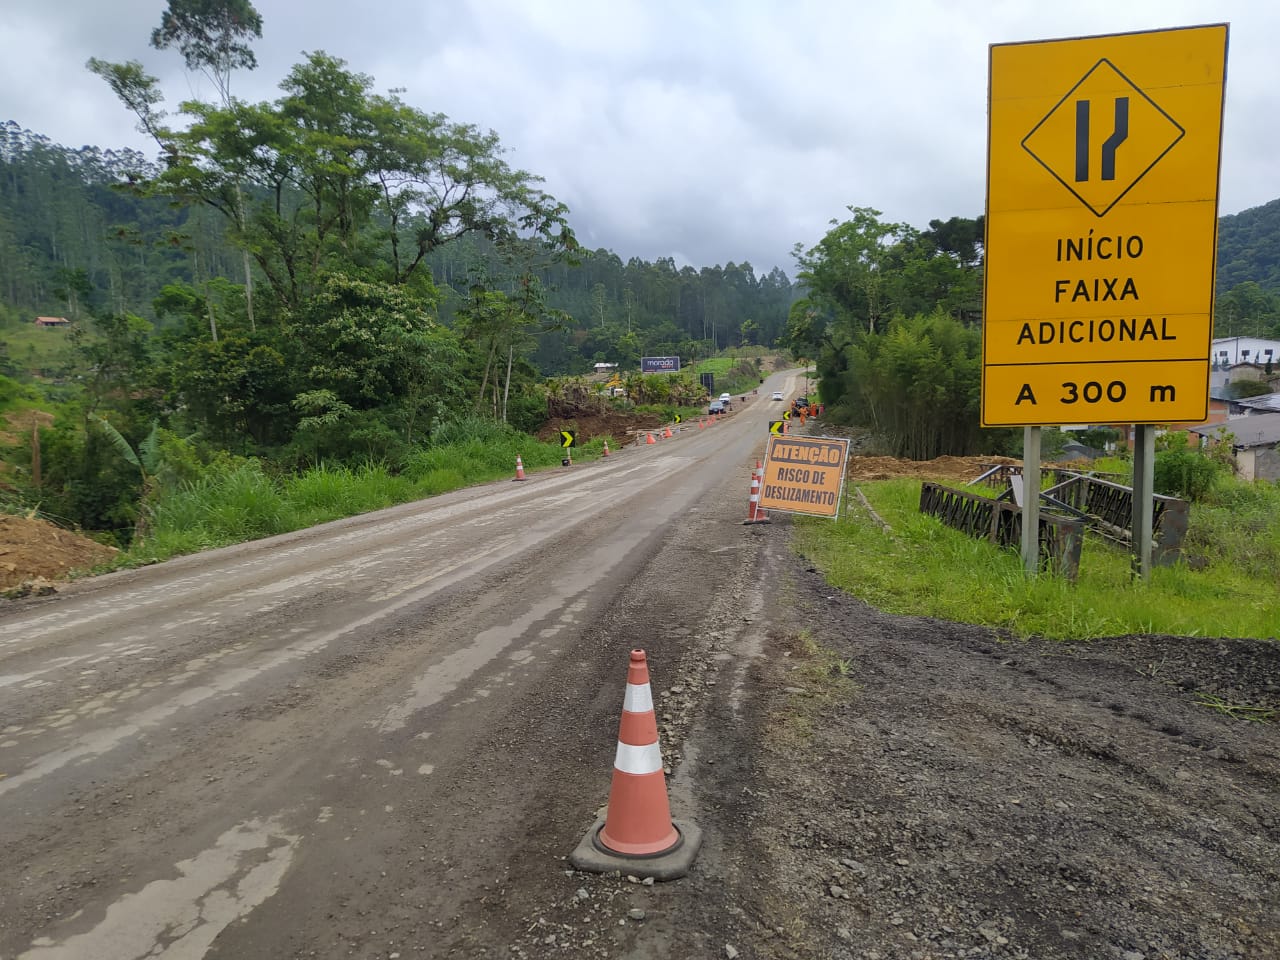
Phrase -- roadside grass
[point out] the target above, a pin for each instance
(666, 412)
(233, 503)
(925, 568)
(736, 375)
(818, 680)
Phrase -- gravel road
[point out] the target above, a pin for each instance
(382, 738)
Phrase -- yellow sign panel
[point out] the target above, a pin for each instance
(804, 475)
(1102, 210)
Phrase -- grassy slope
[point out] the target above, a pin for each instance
(925, 568)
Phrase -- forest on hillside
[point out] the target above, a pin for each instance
(1249, 273)
(80, 231)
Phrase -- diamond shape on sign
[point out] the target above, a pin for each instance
(1102, 137)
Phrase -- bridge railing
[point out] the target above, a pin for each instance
(1000, 522)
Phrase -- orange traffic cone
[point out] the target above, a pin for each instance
(638, 835)
(649, 438)
(606, 449)
(639, 819)
(519, 468)
(756, 513)
(702, 425)
(667, 433)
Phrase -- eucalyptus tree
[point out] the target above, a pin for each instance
(213, 37)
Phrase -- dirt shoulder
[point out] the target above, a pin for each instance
(897, 788)
(931, 790)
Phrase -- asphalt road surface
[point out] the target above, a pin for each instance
(314, 744)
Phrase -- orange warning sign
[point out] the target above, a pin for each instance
(804, 475)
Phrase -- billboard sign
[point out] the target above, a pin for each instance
(659, 364)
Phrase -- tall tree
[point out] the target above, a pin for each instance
(213, 37)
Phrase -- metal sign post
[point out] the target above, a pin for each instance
(1031, 500)
(1144, 462)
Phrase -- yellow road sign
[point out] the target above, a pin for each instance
(568, 438)
(1102, 208)
(804, 475)
(778, 427)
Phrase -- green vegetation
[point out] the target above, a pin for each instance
(300, 288)
(734, 374)
(890, 316)
(925, 568)
(1249, 250)
(1248, 275)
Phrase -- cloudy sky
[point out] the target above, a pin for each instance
(707, 130)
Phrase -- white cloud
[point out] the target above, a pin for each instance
(708, 131)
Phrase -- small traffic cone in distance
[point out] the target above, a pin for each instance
(702, 424)
(606, 449)
(519, 468)
(649, 437)
(667, 432)
(637, 835)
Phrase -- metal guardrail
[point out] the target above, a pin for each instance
(1107, 506)
(1000, 522)
(1109, 509)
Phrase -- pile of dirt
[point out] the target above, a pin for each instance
(618, 426)
(33, 550)
(942, 468)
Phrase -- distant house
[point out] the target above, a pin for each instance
(52, 322)
(1248, 406)
(605, 367)
(1254, 440)
(1228, 352)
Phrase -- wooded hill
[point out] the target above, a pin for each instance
(78, 233)
(1249, 273)
(1249, 248)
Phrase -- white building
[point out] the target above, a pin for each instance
(1228, 352)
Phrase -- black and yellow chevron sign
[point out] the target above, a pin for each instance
(568, 438)
(679, 419)
(778, 427)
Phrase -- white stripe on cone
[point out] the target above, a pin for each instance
(637, 760)
(639, 698)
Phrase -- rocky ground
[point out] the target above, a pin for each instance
(892, 788)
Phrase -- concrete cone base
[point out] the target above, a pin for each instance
(761, 520)
(589, 855)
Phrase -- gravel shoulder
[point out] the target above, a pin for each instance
(883, 787)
